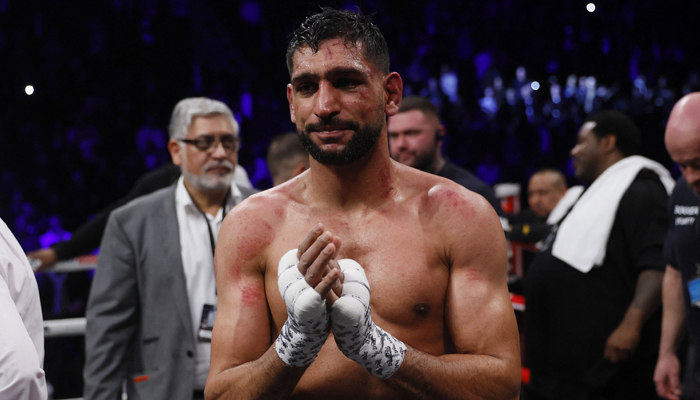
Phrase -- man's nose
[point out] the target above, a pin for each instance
(326, 104)
(691, 175)
(219, 151)
(573, 151)
(397, 142)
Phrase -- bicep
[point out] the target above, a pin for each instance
(242, 329)
(478, 312)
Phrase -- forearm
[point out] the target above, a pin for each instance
(647, 299)
(456, 376)
(265, 378)
(672, 326)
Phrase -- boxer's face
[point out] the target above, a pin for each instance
(336, 100)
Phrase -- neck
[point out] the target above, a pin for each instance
(210, 201)
(608, 162)
(363, 183)
(436, 165)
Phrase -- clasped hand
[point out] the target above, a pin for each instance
(310, 281)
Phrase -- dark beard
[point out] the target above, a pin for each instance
(364, 139)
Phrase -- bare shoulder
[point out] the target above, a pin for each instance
(448, 201)
(467, 225)
(250, 228)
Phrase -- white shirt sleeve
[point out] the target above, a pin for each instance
(21, 325)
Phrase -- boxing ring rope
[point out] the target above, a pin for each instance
(69, 326)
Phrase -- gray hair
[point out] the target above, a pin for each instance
(191, 107)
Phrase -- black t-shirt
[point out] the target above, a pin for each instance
(571, 314)
(471, 182)
(681, 249)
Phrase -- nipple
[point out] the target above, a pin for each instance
(421, 309)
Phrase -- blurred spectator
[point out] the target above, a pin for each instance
(681, 298)
(286, 158)
(153, 299)
(545, 189)
(415, 139)
(593, 318)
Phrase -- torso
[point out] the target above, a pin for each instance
(399, 246)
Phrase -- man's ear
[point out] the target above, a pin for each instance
(290, 99)
(393, 87)
(608, 143)
(175, 151)
(301, 167)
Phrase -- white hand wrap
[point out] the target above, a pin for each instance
(306, 329)
(357, 336)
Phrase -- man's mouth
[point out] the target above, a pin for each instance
(219, 169)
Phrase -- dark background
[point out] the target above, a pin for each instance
(108, 73)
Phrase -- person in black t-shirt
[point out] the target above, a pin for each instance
(593, 323)
(415, 139)
(681, 285)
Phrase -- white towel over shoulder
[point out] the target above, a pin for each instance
(582, 237)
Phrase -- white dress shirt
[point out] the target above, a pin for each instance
(21, 324)
(198, 264)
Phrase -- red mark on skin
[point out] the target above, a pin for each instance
(249, 295)
(474, 275)
(457, 202)
(329, 53)
(258, 236)
(385, 182)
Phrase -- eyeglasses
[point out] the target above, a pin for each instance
(208, 142)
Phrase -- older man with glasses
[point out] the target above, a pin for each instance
(153, 299)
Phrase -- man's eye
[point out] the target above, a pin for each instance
(306, 87)
(345, 83)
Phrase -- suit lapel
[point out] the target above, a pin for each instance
(172, 257)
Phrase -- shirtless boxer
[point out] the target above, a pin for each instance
(432, 253)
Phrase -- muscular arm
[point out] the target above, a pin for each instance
(478, 316)
(667, 374)
(243, 362)
(242, 359)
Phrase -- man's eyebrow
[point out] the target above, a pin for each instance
(334, 73)
(343, 71)
(694, 160)
(302, 77)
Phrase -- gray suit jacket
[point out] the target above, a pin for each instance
(139, 327)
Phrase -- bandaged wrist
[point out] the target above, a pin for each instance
(356, 335)
(307, 327)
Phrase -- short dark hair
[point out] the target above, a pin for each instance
(558, 179)
(410, 103)
(612, 122)
(354, 28)
(284, 153)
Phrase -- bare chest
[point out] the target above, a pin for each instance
(404, 264)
